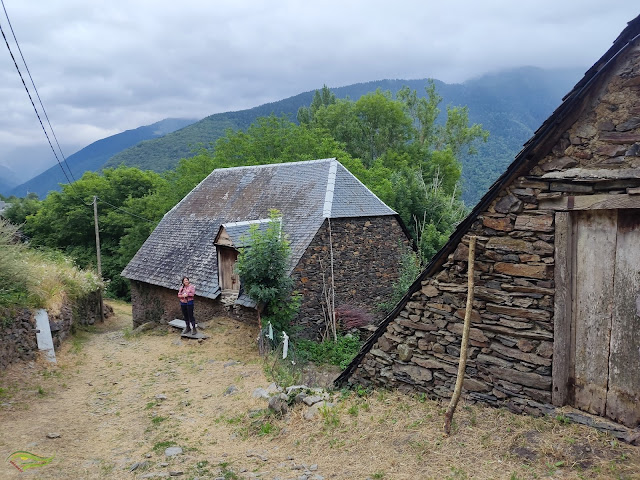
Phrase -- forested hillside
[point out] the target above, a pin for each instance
(510, 105)
(94, 156)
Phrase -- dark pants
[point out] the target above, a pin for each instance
(187, 313)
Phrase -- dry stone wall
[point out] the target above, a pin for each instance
(511, 341)
(366, 253)
(18, 328)
(151, 303)
(366, 258)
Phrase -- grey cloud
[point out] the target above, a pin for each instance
(105, 66)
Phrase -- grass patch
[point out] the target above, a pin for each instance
(160, 447)
(227, 472)
(328, 352)
(282, 371)
(158, 420)
(36, 278)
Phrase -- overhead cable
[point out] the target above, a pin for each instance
(36, 90)
(32, 103)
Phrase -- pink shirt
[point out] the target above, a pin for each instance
(189, 290)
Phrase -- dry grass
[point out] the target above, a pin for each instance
(102, 399)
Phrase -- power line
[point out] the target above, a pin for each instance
(71, 184)
(36, 90)
(32, 103)
(123, 210)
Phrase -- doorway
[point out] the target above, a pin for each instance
(605, 313)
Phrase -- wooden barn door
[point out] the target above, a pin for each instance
(605, 320)
(226, 261)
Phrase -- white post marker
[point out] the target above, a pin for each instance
(43, 335)
(270, 334)
(285, 347)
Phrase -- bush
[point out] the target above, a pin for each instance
(410, 268)
(340, 352)
(349, 317)
(32, 278)
(263, 269)
(15, 281)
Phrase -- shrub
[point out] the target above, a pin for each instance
(340, 352)
(263, 268)
(15, 281)
(32, 278)
(410, 268)
(349, 317)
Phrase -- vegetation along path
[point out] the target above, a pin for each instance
(116, 402)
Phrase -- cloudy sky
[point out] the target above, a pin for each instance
(104, 66)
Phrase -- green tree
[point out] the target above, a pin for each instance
(65, 220)
(368, 127)
(20, 208)
(274, 140)
(409, 158)
(263, 269)
(321, 98)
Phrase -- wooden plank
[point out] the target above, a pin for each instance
(595, 261)
(562, 358)
(590, 202)
(223, 238)
(623, 395)
(227, 258)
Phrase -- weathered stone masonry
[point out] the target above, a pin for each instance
(366, 253)
(18, 329)
(151, 303)
(366, 258)
(512, 334)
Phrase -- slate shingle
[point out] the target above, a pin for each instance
(305, 193)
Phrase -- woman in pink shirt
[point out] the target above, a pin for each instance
(186, 295)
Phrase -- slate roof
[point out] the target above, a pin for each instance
(305, 193)
(239, 231)
(533, 151)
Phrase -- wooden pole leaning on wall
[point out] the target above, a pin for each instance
(465, 339)
(95, 220)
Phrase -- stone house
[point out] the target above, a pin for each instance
(332, 221)
(556, 313)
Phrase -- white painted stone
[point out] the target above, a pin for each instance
(43, 335)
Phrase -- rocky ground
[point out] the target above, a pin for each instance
(125, 406)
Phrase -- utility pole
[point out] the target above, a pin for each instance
(95, 219)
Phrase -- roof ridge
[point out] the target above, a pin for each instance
(267, 165)
(331, 185)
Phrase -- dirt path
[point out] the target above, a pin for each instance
(118, 401)
(114, 397)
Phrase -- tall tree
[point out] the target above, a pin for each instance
(411, 158)
(65, 220)
(321, 98)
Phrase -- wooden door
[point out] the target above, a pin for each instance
(623, 394)
(605, 319)
(227, 276)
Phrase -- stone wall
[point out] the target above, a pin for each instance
(512, 334)
(151, 303)
(366, 258)
(18, 328)
(17, 337)
(366, 254)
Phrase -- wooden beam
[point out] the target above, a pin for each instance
(560, 370)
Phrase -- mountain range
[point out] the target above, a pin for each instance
(511, 105)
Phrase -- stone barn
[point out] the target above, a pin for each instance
(556, 315)
(332, 221)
